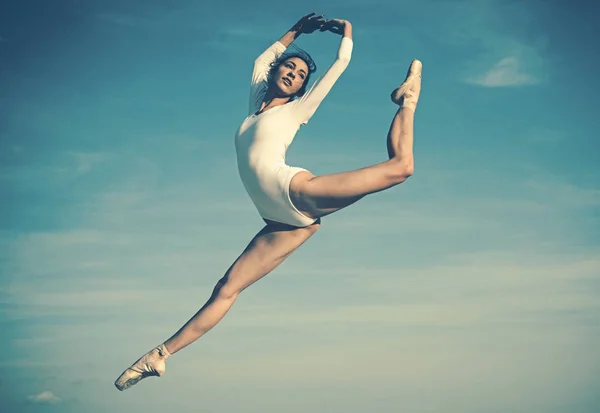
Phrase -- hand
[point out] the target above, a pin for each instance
(309, 23)
(334, 26)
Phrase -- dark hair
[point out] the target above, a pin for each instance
(299, 53)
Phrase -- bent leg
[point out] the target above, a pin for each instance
(269, 248)
(317, 196)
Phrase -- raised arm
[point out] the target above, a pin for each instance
(306, 106)
(307, 24)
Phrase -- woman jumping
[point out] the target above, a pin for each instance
(290, 200)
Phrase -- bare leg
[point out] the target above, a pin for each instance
(269, 248)
(317, 196)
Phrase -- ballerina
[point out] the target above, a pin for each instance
(291, 200)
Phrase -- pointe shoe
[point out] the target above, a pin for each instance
(407, 94)
(150, 364)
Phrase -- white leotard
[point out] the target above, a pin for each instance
(262, 140)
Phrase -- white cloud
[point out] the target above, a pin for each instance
(547, 136)
(86, 161)
(45, 397)
(28, 177)
(564, 195)
(500, 54)
(507, 72)
(481, 289)
(144, 18)
(242, 31)
(122, 19)
(61, 168)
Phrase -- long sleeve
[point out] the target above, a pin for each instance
(259, 74)
(306, 106)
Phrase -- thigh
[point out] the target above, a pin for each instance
(317, 196)
(269, 248)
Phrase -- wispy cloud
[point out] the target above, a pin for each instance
(494, 56)
(60, 168)
(565, 196)
(122, 19)
(45, 397)
(29, 176)
(86, 161)
(242, 31)
(507, 72)
(547, 136)
(160, 17)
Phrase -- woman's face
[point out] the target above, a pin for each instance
(290, 76)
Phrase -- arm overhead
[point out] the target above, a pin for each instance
(306, 106)
(259, 74)
(306, 24)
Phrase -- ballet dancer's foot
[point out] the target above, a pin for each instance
(407, 94)
(150, 364)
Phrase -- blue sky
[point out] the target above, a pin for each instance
(474, 287)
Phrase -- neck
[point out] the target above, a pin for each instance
(272, 99)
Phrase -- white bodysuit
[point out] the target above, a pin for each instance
(262, 140)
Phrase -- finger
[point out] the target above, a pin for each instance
(309, 14)
(314, 25)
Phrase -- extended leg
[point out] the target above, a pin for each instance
(269, 248)
(317, 196)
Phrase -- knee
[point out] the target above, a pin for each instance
(225, 290)
(402, 169)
